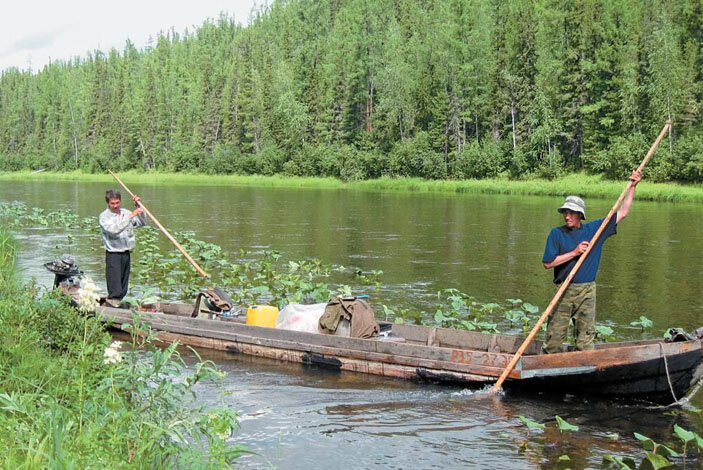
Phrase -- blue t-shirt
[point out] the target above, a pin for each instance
(562, 240)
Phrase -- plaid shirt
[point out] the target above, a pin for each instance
(117, 230)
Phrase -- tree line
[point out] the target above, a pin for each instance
(365, 88)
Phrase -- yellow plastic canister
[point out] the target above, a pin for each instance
(262, 315)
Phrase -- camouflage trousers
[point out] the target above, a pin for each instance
(579, 303)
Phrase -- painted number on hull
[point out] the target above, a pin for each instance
(479, 358)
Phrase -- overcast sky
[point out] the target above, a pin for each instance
(33, 32)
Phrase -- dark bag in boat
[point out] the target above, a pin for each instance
(674, 335)
(216, 300)
(357, 311)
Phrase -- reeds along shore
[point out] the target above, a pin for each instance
(582, 184)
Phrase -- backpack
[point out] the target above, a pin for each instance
(357, 311)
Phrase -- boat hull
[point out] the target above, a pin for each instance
(662, 380)
(652, 370)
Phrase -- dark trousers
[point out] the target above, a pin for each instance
(117, 266)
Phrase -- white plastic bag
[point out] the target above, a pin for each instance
(299, 317)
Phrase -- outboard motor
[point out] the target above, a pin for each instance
(65, 271)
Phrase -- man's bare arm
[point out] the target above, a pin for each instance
(624, 209)
(563, 258)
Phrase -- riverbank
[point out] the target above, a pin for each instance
(70, 397)
(588, 186)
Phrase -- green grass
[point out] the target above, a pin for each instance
(579, 183)
(62, 406)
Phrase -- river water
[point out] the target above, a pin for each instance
(486, 245)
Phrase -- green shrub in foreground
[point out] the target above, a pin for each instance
(67, 403)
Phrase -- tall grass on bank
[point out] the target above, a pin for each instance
(70, 399)
(580, 183)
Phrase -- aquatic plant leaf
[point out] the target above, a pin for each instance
(658, 461)
(489, 307)
(647, 443)
(604, 330)
(681, 433)
(699, 442)
(530, 308)
(624, 463)
(564, 425)
(514, 316)
(487, 327)
(531, 424)
(439, 316)
(667, 451)
(643, 322)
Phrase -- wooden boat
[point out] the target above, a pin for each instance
(654, 369)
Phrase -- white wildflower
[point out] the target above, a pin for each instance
(112, 353)
(88, 296)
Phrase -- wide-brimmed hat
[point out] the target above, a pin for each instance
(574, 203)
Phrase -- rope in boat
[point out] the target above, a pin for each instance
(683, 401)
(668, 376)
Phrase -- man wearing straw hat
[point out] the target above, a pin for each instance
(564, 246)
(117, 229)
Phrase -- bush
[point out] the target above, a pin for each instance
(520, 164)
(184, 157)
(11, 162)
(304, 162)
(337, 161)
(415, 157)
(330, 159)
(482, 160)
(96, 159)
(618, 161)
(35, 161)
(248, 164)
(352, 165)
(376, 163)
(222, 160)
(553, 168)
(271, 160)
(129, 159)
(688, 161)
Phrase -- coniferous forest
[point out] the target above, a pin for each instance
(365, 88)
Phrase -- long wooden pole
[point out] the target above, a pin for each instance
(163, 229)
(564, 285)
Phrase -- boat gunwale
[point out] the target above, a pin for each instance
(391, 352)
(440, 357)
